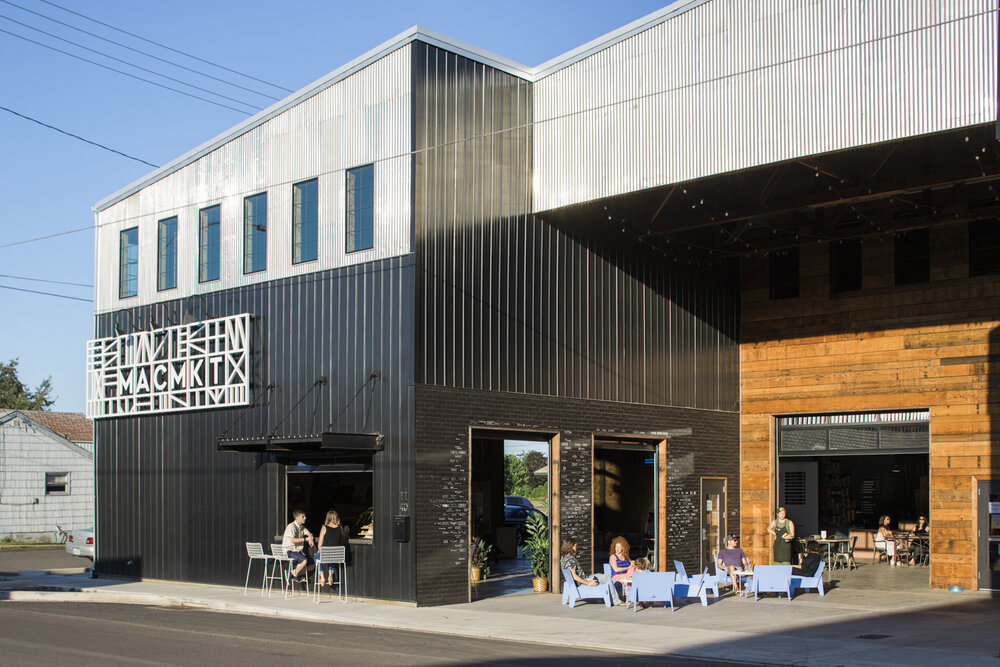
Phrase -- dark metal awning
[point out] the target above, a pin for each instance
(319, 443)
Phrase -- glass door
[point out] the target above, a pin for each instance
(989, 536)
(713, 519)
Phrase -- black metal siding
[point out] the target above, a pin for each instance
(172, 507)
(509, 301)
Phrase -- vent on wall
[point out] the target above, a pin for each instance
(795, 487)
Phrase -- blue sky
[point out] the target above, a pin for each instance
(50, 181)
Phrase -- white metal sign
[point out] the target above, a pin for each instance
(188, 367)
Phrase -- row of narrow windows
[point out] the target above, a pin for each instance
(360, 232)
(912, 254)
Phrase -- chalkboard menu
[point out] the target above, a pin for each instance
(871, 489)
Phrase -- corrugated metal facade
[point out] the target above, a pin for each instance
(171, 507)
(364, 118)
(733, 84)
(508, 302)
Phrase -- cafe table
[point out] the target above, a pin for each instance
(830, 542)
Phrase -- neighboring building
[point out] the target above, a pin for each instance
(726, 246)
(46, 473)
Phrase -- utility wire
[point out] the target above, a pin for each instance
(49, 236)
(61, 296)
(43, 280)
(164, 46)
(76, 136)
(133, 76)
(126, 62)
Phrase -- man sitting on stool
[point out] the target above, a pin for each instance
(295, 537)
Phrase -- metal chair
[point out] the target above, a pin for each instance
(332, 556)
(255, 551)
(284, 565)
(846, 558)
(878, 549)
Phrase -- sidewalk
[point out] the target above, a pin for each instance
(847, 627)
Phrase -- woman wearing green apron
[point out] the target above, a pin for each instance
(783, 531)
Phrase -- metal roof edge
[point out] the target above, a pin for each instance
(412, 34)
(615, 36)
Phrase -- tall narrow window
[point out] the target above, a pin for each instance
(208, 244)
(360, 208)
(305, 216)
(913, 257)
(255, 233)
(984, 247)
(785, 273)
(166, 254)
(128, 263)
(845, 265)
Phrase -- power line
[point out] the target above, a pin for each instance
(49, 236)
(125, 62)
(169, 48)
(43, 280)
(133, 76)
(76, 136)
(61, 296)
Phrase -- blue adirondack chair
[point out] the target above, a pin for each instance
(691, 587)
(573, 592)
(709, 582)
(815, 581)
(771, 579)
(681, 573)
(651, 587)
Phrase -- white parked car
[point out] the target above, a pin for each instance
(80, 542)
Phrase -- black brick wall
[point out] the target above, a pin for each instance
(443, 419)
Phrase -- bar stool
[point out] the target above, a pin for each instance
(255, 551)
(284, 566)
(333, 556)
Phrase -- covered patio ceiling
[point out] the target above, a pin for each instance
(875, 190)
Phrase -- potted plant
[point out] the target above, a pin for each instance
(479, 558)
(537, 542)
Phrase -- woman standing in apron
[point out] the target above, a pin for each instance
(783, 531)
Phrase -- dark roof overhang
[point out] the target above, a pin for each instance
(319, 443)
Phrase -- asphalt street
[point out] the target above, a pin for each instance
(38, 558)
(33, 633)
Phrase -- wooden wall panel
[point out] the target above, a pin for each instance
(935, 346)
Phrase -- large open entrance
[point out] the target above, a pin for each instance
(511, 483)
(629, 483)
(840, 473)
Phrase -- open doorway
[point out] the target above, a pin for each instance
(509, 486)
(628, 481)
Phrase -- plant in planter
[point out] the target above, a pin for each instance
(479, 558)
(537, 542)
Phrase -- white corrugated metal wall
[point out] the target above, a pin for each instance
(364, 118)
(731, 84)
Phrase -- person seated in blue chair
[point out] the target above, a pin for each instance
(731, 559)
(807, 567)
(569, 561)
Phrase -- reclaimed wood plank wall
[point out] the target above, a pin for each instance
(935, 345)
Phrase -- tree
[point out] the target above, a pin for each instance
(514, 474)
(15, 396)
(535, 460)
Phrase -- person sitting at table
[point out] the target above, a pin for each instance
(293, 541)
(731, 559)
(330, 535)
(807, 568)
(884, 540)
(918, 546)
(569, 561)
(621, 566)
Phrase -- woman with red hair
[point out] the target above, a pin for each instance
(621, 566)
